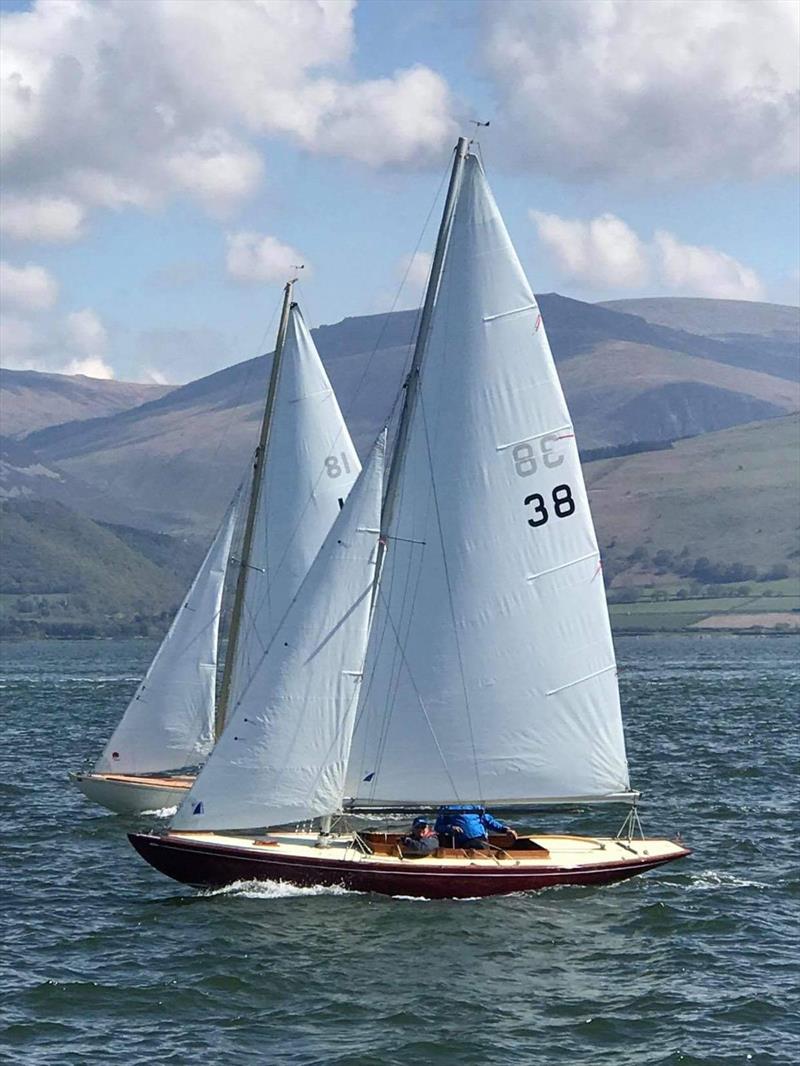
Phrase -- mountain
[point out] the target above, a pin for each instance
(31, 400)
(771, 332)
(24, 476)
(176, 460)
(64, 574)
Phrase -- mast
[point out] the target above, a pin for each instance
(412, 381)
(255, 493)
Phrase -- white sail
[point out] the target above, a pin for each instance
(311, 467)
(491, 673)
(283, 753)
(169, 723)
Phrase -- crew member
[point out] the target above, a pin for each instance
(421, 840)
(468, 827)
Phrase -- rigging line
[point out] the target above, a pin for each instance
(450, 593)
(184, 599)
(405, 617)
(244, 385)
(348, 409)
(397, 658)
(421, 703)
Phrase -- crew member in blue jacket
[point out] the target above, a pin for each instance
(468, 827)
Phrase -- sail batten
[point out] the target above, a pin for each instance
(491, 594)
(283, 754)
(169, 723)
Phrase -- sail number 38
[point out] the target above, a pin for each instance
(563, 505)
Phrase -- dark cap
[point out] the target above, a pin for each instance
(420, 823)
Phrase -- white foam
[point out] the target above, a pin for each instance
(274, 890)
(161, 812)
(710, 879)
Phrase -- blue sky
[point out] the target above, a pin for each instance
(165, 161)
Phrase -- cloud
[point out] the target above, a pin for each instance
(75, 344)
(91, 367)
(30, 287)
(44, 218)
(668, 90)
(179, 355)
(414, 269)
(111, 104)
(258, 257)
(605, 253)
(85, 333)
(399, 120)
(18, 342)
(702, 271)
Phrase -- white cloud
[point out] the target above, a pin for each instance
(258, 257)
(75, 345)
(400, 120)
(650, 90)
(18, 342)
(605, 253)
(29, 287)
(109, 103)
(91, 367)
(86, 334)
(414, 269)
(178, 355)
(701, 271)
(44, 218)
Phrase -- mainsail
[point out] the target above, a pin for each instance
(490, 674)
(310, 467)
(169, 723)
(283, 753)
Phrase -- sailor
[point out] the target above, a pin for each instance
(421, 840)
(468, 827)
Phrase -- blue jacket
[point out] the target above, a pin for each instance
(474, 822)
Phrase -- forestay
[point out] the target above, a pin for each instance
(169, 723)
(491, 673)
(283, 753)
(310, 467)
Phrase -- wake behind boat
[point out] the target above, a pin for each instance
(451, 644)
(304, 467)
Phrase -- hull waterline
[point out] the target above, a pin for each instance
(209, 860)
(130, 794)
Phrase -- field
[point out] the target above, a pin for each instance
(775, 607)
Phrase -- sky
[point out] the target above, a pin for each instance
(167, 163)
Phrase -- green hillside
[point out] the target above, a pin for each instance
(63, 574)
(715, 509)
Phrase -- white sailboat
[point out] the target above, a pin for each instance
(304, 468)
(490, 675)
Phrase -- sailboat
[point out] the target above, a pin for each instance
(488, 675)
(304, 467)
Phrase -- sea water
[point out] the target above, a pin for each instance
(104, 960)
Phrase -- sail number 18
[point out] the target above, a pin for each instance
(563, 505)
(335, 468)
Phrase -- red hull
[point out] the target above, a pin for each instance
(204, 864)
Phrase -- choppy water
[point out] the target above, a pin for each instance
(107, 961)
